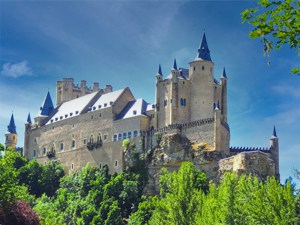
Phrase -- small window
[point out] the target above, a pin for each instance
(84, 141)
(120, 137)
(110, 103)
(62, 146)
(135, 133)
(194, 68)
(134, 112)
(105, 136)
(116, 163)
(61, 117)
(77, 112)
(73, 144)
(73, 125)
(66, 116)
(115, 137)
(165, 102)
(94, 108)
(100, 115)
(72, 166)
(34, 153)
(92, 117)
(99, 138)
(100, 165)
(56, 119)
(105, 104)
(92, 139)
(124, 135)
(44, 151)
(71, 114)
(99, 106)
(129, 134)
(52, 121)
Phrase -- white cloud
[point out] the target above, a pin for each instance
(16, 69)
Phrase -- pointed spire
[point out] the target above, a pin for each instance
(203, 51)
(224, 73)
(47, 107)
(11, 128)
(274, 132)
(159, 70)
(174, 65)
(29, 119)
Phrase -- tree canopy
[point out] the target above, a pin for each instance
(277, 23)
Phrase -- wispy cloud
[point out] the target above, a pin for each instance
(16, 69)
(287, 90)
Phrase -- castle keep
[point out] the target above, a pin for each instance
(188, 122)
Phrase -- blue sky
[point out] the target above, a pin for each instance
(122, 42)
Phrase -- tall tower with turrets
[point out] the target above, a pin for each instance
(11, 136)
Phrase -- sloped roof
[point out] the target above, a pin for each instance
(71, 108)
(47, 106)
(134, 108)
(11, 128)
(106, 100)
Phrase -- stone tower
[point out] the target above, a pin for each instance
(274, 149)
(202, 84)
(11, 137)
(28, 126)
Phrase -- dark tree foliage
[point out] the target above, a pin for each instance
(19, 213)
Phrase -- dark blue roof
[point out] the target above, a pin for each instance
(11, 128)
(274, 132)
(159, 70)
(203, 51)
(140, 108)
(29, 118)
(184, 73)
(224, 73)
(47, 107)
(175, 65)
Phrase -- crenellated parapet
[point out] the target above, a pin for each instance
(249, 149)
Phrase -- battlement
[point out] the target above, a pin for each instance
(67, 90)
(249, 149)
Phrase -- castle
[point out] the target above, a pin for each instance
(187, 122)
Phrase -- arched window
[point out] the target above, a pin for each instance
(44, 151)
(92, 139)
(99, 137)
(100, 165)
(61, 146)
(73, 144)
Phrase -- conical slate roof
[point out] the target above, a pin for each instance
(11, 128)
(203, 51)
(47, 106)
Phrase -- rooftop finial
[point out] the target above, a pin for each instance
(203, 51)
(159, 70)
(11, 128)
(224, 73)
(174, 65)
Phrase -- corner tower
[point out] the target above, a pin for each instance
(274, 149)
(11, 137)
(201, 84)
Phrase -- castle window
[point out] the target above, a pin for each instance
(115, 137)
(110, 103)
(135, 133)
(100, 115)
(84, 141)
(72, 166)
(73, 144)
(66, 116)
(52, 121)
(92, 117)
(34, 153)
(76, 112)
(61, 146)
(116, 163)
(183, 102)
(99, 138)
(129, 134)
(194, 68)
(73, 125)
(182, 82)
(124, 135)
(165, 102)
(134, 112)
(44, 151)
(99, 106)
(100, 165)
(202, 67)
(94, 108)
(61, 117)
(120, 137)
(105, 104)
(71, 114)
(56, 119)
(91, 139)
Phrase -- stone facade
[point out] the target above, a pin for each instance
(188, 122)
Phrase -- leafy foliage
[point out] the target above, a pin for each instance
(277, 23)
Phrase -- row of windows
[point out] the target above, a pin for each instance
(125, 135)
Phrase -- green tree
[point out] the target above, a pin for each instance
(179, 191)
(277, 23)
